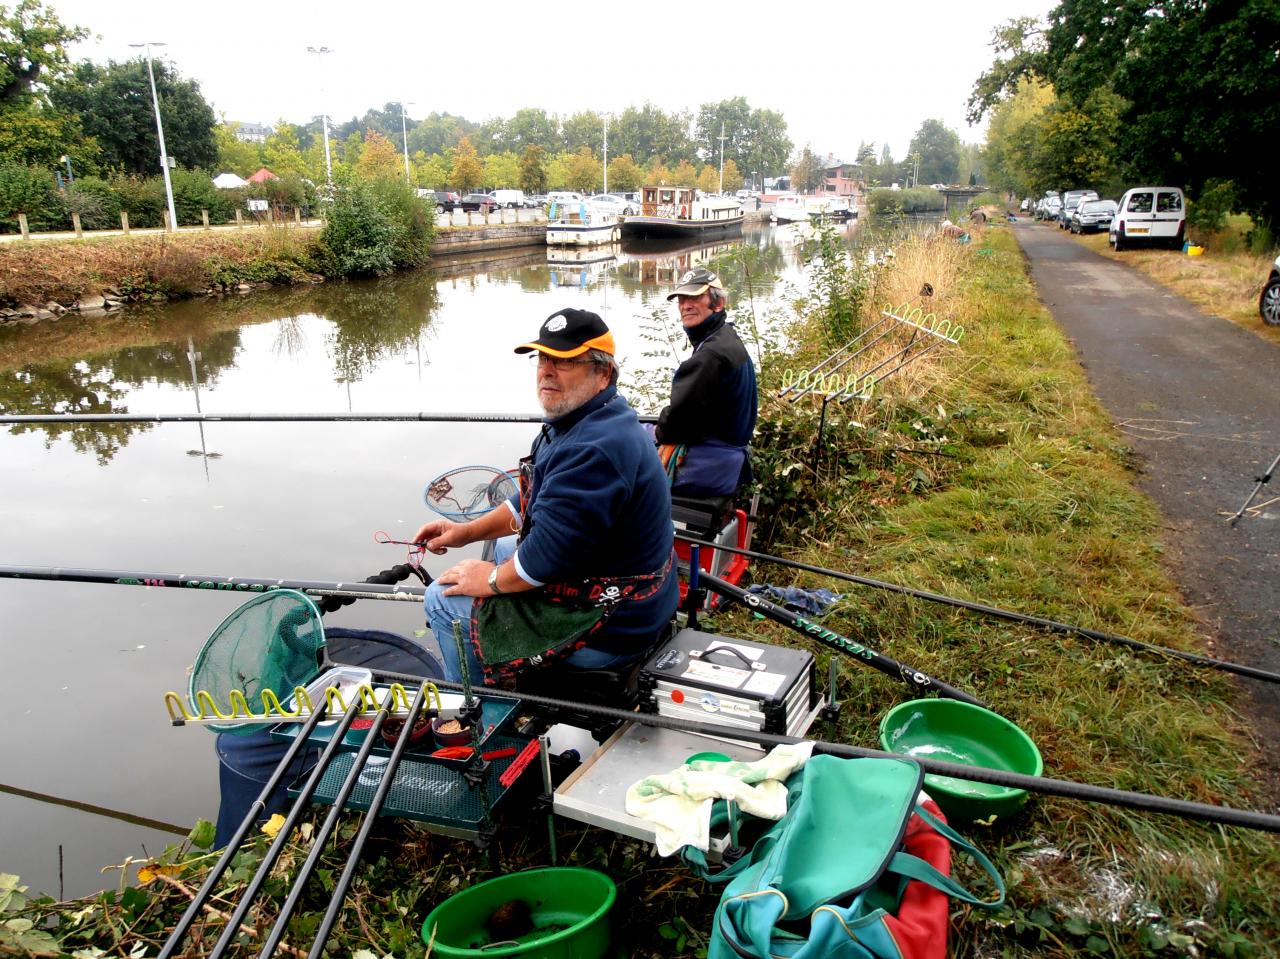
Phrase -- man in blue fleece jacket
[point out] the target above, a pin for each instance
(595, 510)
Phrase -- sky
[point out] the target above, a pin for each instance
(840, 74)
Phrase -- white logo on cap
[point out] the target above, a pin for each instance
(687, 278)
(556, 324)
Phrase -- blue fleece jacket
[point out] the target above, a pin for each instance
(601, 506)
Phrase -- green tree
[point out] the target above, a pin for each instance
(234, 154)
(938, 148)
(1197, 82)
(33, 49)
(379, 158)
(708, 179)
(281, 153)
(531, 127)
(432, 171)
(807, 173)
(352, 144)
(647, 132)
(625, 174)
(502, 171)
(438, 132)
(115, 108)
(467, 171)
(584, 171)
(583, 129)
(733, 179)
(756, 140)
(533, 169)
(658, 174)
(32, 133)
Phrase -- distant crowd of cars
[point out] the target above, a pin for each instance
(447, 201)
(1144, 215)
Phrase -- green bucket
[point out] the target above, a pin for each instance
(554, 913)
(951, 731)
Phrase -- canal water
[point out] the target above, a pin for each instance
(88, 750)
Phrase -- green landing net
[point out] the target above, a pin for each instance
(274, 641)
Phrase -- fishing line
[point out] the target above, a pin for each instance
(413, 555)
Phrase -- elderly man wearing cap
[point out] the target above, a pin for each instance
(713, 406)
(588, 579)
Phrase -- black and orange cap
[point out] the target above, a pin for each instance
(569, 333)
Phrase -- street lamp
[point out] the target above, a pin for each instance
(164, 154)
(404, 133)
(324, 117)
(605, 117)
(71, 177)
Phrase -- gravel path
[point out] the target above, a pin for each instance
(1199, 400)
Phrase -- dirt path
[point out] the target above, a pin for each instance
(1199, 399)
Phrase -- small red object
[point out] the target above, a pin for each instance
(677, 696)
(521, 764)
(361, 723)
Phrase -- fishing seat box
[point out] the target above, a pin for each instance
(712, 679)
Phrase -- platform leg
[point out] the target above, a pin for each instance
(545, 756)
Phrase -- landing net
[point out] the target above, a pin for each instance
(274, 641)
(469, 491)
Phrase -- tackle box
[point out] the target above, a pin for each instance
(720, 681)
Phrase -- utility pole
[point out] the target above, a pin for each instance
(164, 154)
(606, 153)
(404, 133)
(721, 156)
(324, 116)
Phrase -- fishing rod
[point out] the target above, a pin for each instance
(1065, 788)
(420, 417)
(917, 679)
(1262, 481)
(1194, 658)
(237, 840)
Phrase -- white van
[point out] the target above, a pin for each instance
(508, 198)
(1154, 215)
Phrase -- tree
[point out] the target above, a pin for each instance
(683, 174)
(379, 157)
(708, 179)
(533, 169)
(938, 148)
(33, 44)
(467, 171)
(624, 173)
(115, 108)
(280, 152)
(732, 177)
(502, 170)
(438, 132)
(658, 174)
(584, 129)
(531, 127)
(33, 134)
(234, 154)
(584, 171)
(352, 145)
(756, 140)
(1197, 83)
(807, 173)
(647, 132)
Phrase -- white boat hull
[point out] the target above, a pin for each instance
(580, 234)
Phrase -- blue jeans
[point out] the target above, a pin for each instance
(442, 610)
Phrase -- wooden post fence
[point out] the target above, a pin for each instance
(124, 221)
(22, 225)
(204, 218)
(75, 225)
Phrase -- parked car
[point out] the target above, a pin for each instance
(1049, 209)
(509, 199)
(446, 200)
(1269, 302)
(1092, 216)
(612, 203)
(478, 203)
(1154, 215)
(1070, 200)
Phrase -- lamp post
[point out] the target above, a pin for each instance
(324, 117)
(606, 153)
(71, 177)
(404, 133)
(164, 154)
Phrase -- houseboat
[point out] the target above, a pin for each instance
(578, 223)
(794, 208)
(680, 211)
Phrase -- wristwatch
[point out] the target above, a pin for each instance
(493, 582)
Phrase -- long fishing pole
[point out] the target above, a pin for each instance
(321, 838)
(1049, 624)
(237, 840)
(1068, 789)
(419, 417)
(1262, 481)
(917, 679)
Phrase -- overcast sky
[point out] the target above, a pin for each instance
(839, 73)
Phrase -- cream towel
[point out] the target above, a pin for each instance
(678, 803)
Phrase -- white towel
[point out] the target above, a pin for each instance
(678, 803)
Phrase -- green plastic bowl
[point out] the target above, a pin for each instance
(955, 732)
(569, 909)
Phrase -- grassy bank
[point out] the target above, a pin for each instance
(986, 471)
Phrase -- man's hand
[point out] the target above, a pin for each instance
(468, 578)
(439, 534)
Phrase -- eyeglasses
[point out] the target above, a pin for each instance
(557, 363)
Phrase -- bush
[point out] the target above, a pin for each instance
(359, 239)
(1208, 212)
(29, 190)
(143, 200)
(95, 200)
(915, 200)
(413, 220)
(194, 191)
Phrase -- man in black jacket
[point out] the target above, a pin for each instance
(712, 413)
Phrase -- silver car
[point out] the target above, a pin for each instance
(1092, 216)
(611, 203)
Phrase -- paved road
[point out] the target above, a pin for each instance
(1199, 399)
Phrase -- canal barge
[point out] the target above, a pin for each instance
(795, 208)
(667, 211)
(581, 224)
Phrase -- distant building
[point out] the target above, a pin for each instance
(841, 179)
(262, 176)
(252, 132)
